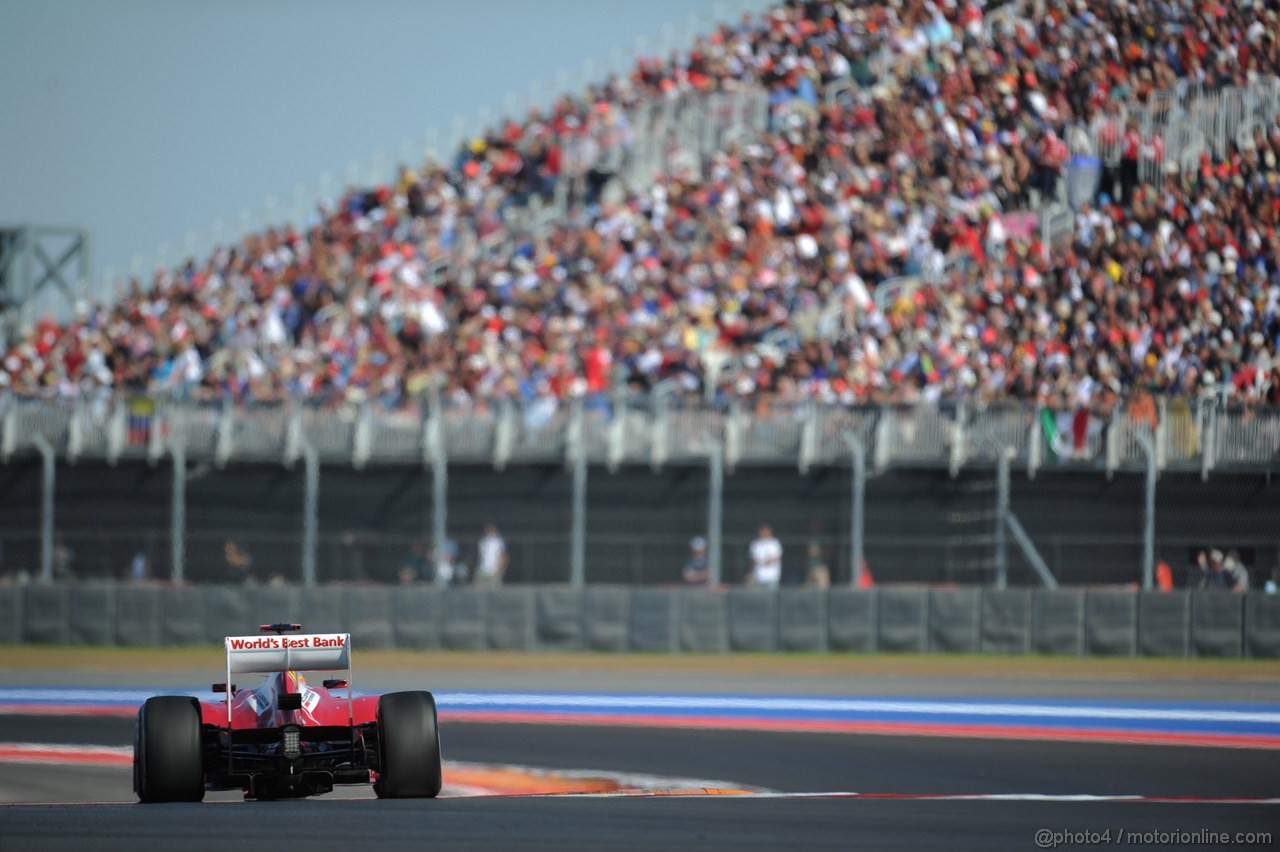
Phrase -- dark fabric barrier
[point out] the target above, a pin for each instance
(369, 617)
(1164, 620)
(1217, 624)
(45, 611)
(1111, 624)
(621, 618)
(181, 616)
(753, 620)
(802, 620)
(903, 620)
(1057, 622)
(226, 613)
(510, 620)
(953, 620)
(704, 621)
(851, 620)
(559, 618)
(1262, 626)
(1006, 621)
(416, 618)
(138, 615)
(464, 615)
(606, 618)
(324, 609)
(653, 620)
(11, 615)
(92, 609)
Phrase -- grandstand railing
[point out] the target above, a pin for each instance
(677, 133)
(1180, 124)
(652, 429)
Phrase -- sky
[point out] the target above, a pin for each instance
(160, 125)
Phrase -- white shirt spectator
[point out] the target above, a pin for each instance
(492, 552)
(766, 560)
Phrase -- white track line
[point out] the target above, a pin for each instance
(839, 706)
(853, 706)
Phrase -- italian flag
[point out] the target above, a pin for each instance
(1057, 432)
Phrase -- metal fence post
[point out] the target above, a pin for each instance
(155, 438)
(47, 483)
(9, 430)
(958, 449)
(808, 439)
(116, 431)
(578, 528)
(434, 454)
(715, 512)
(504, 434)
(75, 431)
(884, 438)
(659, 433)
(439, 500)
(1035, 446)
(293, 438)
(733, 435)
(1209, 438)
(226, 433)
(310, 510)
(1148, 510)
(362, 437)
(1002, 518)
(857, 522)
(617, 431)
(178, 512)
(1113, 447)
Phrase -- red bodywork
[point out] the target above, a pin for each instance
(259, 708)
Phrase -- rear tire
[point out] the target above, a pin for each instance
(408, 747)
(168, 764)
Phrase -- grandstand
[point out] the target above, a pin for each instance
(945, 234)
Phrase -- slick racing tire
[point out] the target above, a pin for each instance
(408, 747)
(167, 755)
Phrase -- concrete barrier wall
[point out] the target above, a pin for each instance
(661, 620)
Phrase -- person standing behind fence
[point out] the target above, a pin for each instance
(818, 575)
(138, 568)
(1218, 578)
(239, 562)
(766, 559)
(491, 561)
(697, 571)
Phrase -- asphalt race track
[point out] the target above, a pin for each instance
(785, 762)
(610, 824)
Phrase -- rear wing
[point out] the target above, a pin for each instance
(311, 653)
(281, 653)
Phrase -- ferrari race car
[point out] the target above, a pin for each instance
(286, 738)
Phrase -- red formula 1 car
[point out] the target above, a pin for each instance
(286, 738)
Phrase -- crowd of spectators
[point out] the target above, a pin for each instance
(756, 276)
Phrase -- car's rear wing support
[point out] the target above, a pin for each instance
(281, 653)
